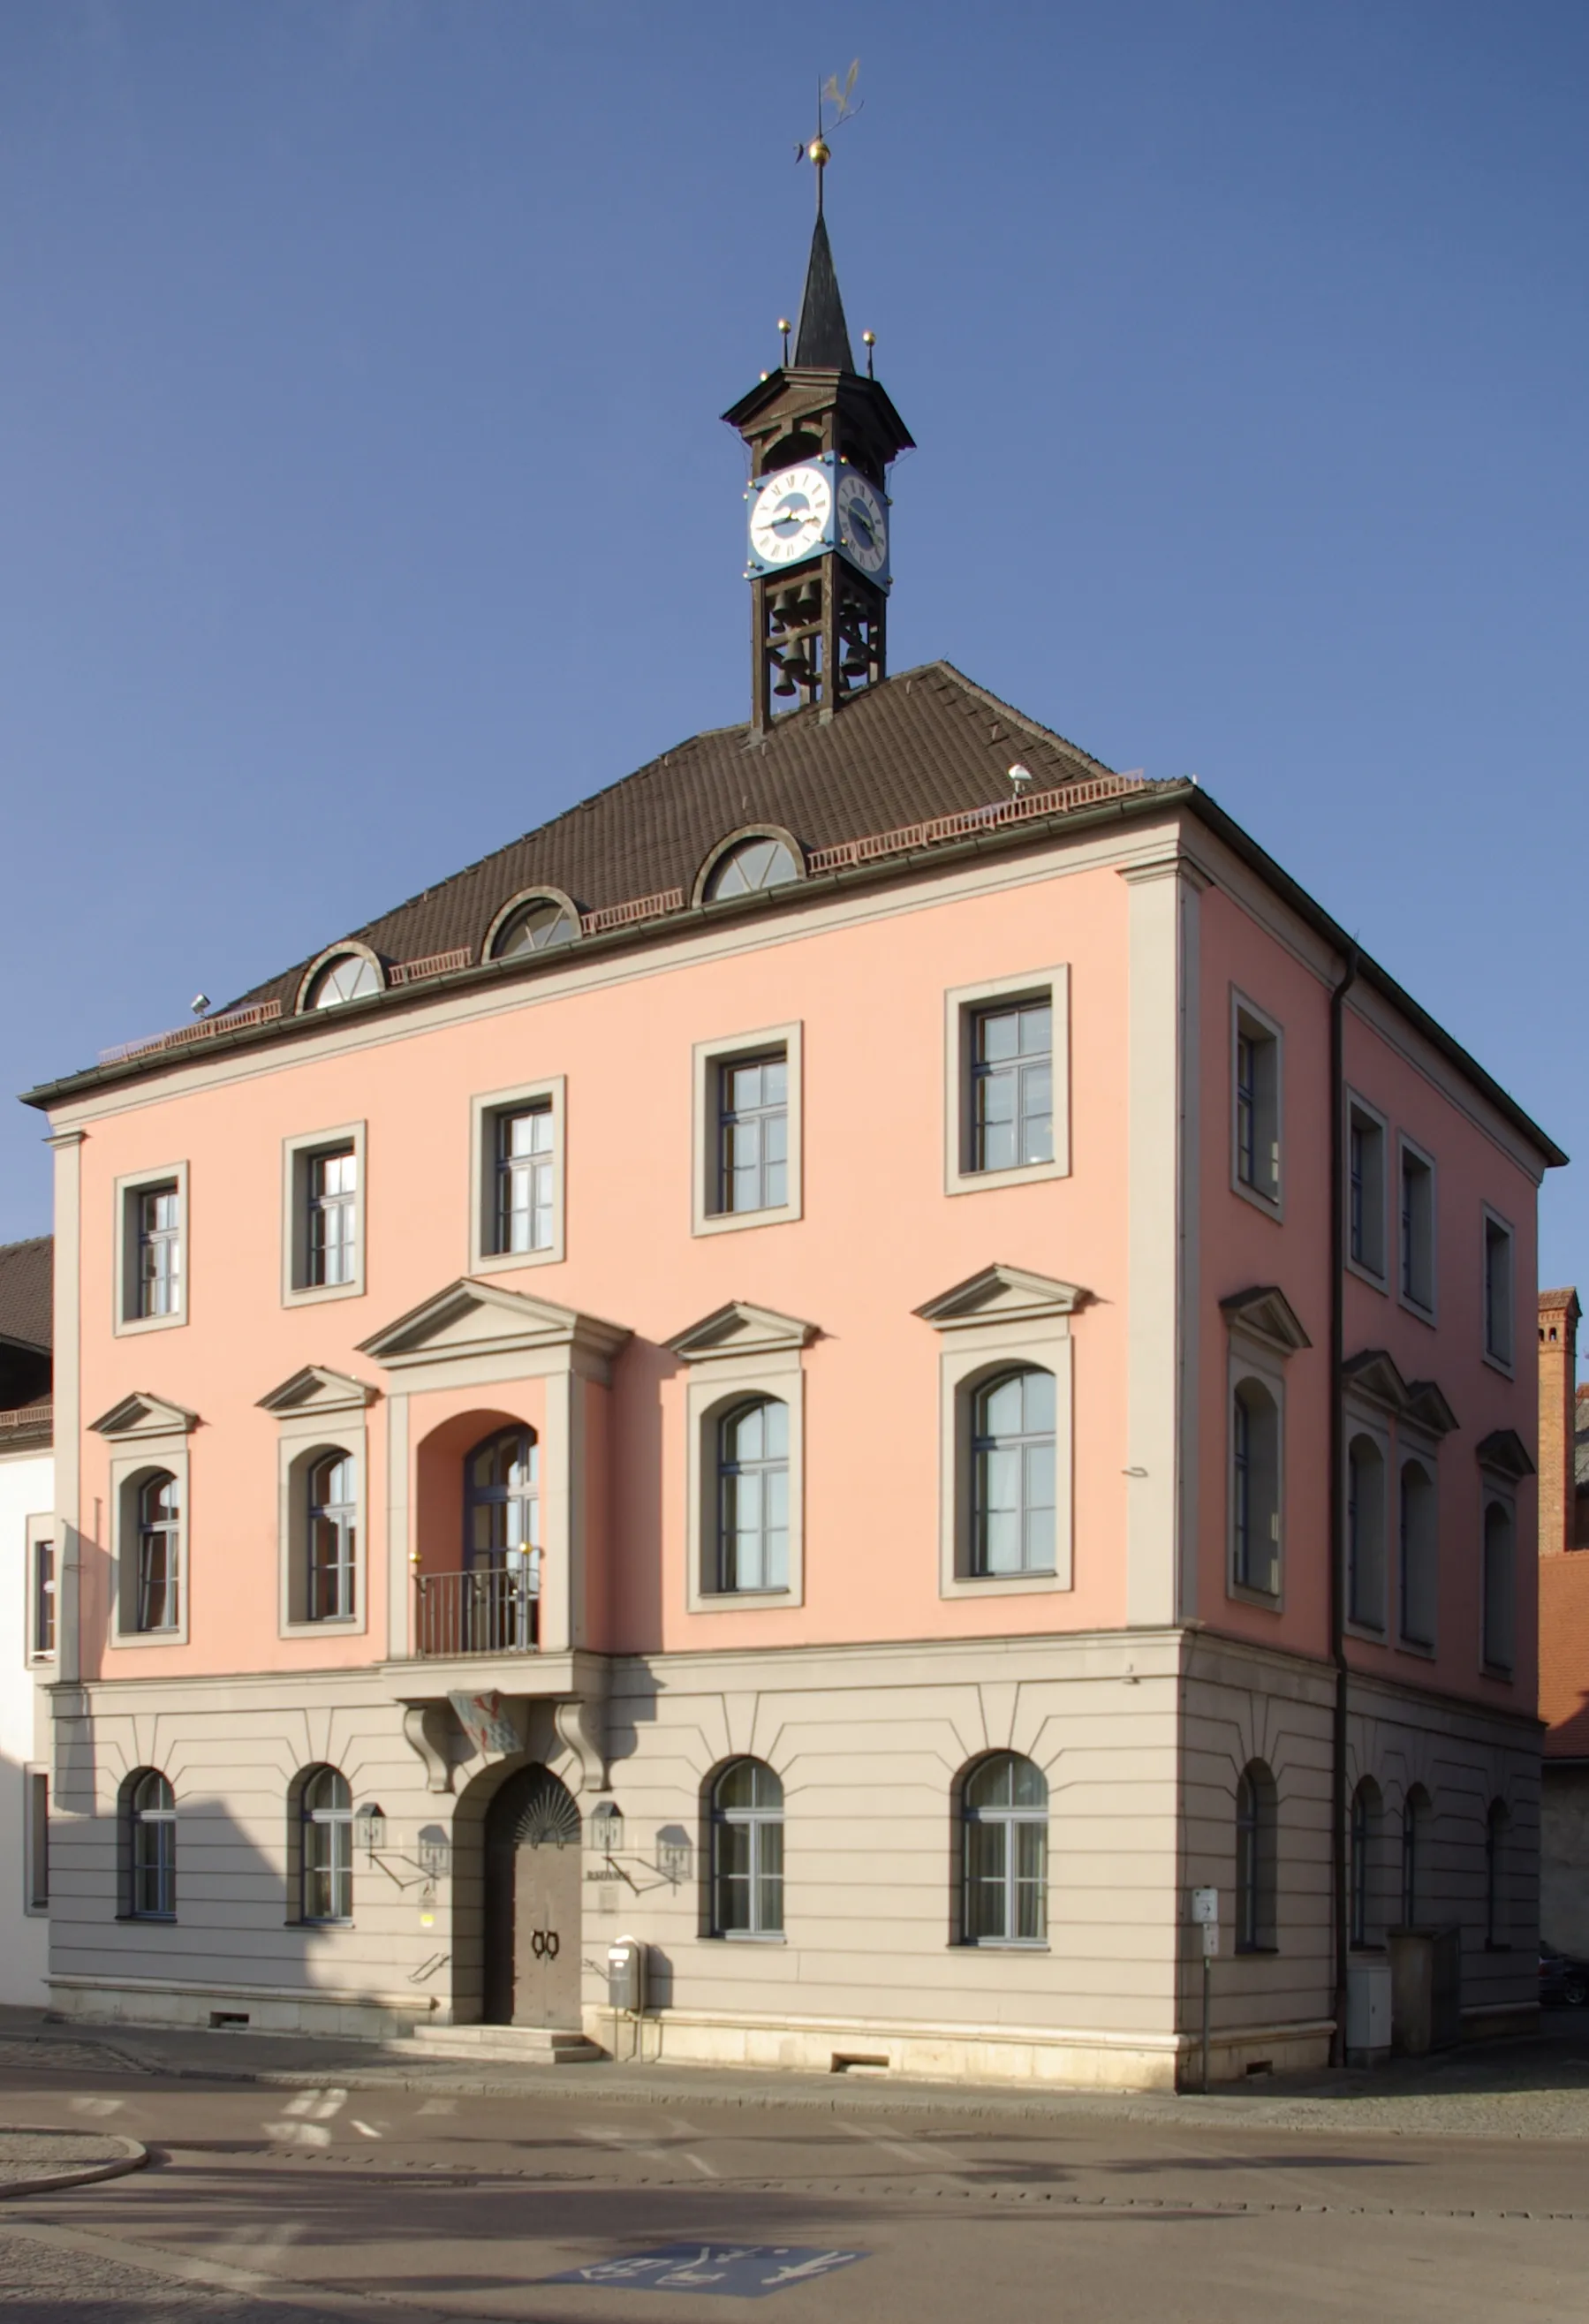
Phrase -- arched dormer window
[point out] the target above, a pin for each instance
(348, 976)
(762, 860)
(532, 924)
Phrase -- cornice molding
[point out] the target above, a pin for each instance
(740, 1329)
(1000, 1294)
(470, 1318)
(317, 1388)
(143, 1415)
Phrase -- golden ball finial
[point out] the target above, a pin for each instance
(784, 324)
(869, 338)
(820, 152)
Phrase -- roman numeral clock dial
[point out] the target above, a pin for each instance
(862, 523)
(789, 515)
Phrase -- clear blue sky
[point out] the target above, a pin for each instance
(1245, 347)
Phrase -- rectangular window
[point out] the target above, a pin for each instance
(525, 1209)
(1013, 1085)
(1255, 1083)
(333, 1215)
(36, 1839)
(1365, 1190)
(1499, 1586)
(1498, 1291)
(1006, 1093)
(160, 1251)
(746, 1130)
(1418, 1229)
(323, 1192)
(753, 1133)
(42, 1619)
(151, 1254)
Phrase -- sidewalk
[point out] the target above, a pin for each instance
(37, 2161)
(1520, 2090)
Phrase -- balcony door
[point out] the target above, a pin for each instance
(532, 1904)
(502, 1542)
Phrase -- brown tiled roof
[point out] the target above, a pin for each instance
(27, 1275)
(926, 744)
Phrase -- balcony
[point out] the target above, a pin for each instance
(488, 1610)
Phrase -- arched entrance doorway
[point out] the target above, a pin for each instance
(532, 1903)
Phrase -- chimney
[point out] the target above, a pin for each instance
(1559, 1370)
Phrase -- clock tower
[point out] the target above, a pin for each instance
(820, 438)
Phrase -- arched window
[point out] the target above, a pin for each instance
(1013, 1423)
(747, 1851)
(333, 1537)
(1005, 1853)
(1365, 1534)
(151, 1812)
(539, 925)
(325, 1817)
(754, 864)
(753, 1497)
(1255, 1489)
(1498, 1586)
(349, 977)
(502, 1542)
(1365, 1817)
(1419, 1547)
(1414, 1821)
(160, 1546)
(1496, 1929)
(1255, 1860)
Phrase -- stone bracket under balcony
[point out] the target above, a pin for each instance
(542, 1708)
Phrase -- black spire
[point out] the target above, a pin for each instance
(822, 339)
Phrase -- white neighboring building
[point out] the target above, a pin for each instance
(27, 1617)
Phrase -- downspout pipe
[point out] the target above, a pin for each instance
(1339, 1845)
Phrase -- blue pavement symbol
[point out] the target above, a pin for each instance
(748, 2270)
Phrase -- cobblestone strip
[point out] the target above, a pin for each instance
(37, 2161)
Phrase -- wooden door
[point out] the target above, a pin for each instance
(532, 1904)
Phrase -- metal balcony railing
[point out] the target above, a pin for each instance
(489, 1610)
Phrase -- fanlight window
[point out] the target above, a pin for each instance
(536, 928)
(351, 977)
(754, 864)
(326, 1810)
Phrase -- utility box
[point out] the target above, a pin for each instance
(1368, 2009)
(626, 1976)
(1426, 1989)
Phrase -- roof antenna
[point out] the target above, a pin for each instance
(1020, 778)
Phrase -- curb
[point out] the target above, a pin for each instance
(133, 2157)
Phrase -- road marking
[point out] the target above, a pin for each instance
(917, 2154)
(706, 2170)
(364, 2128)
(96, 2106)
(440, 2106)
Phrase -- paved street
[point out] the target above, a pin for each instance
(388, 2196)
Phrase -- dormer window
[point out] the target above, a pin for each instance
(752, 865)
(349, 977)
(537, 926)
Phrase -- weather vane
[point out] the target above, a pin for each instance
(830, 93)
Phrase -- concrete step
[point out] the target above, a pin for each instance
(527, 2045)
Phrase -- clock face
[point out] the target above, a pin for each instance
(789, 517)
(862, 523)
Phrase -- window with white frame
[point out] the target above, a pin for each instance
(41, 1597)
(150, 1256)
(331, 1537)
(1255, 1088)
(1418, 1590)
(1366, 1533)
(1365, 1189)
(1499, 1302)
(1498, 1612)
(1004, 1853)
(324, 1847)
(324, 1198)
(1006, 1112)
(1416, 1226)
(752, 1496)
(149, 1841)
(747, 1130)
(1255, 1487)
(350, 977)
(747, 1851)
(1012, 1491)
(517, 1203)
(158, 1552)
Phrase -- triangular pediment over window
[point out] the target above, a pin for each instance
(1375, 1373)
(143, 1415)
(1265, 1311)
(315, 1389)
(739, 1329)
(470, 1318)
(1504, 1452)
(1002, 1295)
